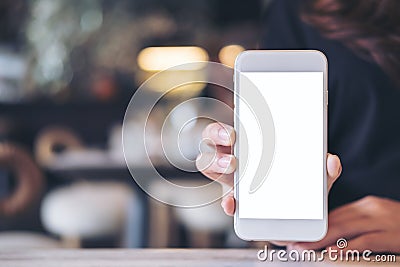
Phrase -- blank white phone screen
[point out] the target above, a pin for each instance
(293, 188)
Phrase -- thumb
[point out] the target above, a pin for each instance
(334, 169)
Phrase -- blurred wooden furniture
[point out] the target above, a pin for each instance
(29, 187)
(136, 237)
(86, 210)
(156, 257)
(202, 224)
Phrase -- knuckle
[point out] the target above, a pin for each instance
(372, 203)
(368, 199)
(204, 162)
(198, 162)
(207, 130)
(198, 157)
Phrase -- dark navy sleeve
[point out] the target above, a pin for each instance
(363, 111)
(282, 28)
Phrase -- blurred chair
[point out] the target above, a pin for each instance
(203, 224)
(29, 186)
(87, 210)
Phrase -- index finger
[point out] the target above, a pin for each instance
(220, 134)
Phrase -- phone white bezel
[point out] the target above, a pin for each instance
(281, 61)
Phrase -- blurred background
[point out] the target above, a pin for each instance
(68, 69)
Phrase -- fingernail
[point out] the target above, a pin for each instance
(224, 161)
(332, 166)
(223, 134)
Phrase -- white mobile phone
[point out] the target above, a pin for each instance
(281, 102)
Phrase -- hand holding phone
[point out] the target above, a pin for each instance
(281, 181)
(224, 164)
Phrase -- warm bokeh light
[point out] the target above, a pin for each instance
(155, 59)
(161, 58)
(227, 55)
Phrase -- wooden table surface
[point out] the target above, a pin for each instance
(154, 257)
